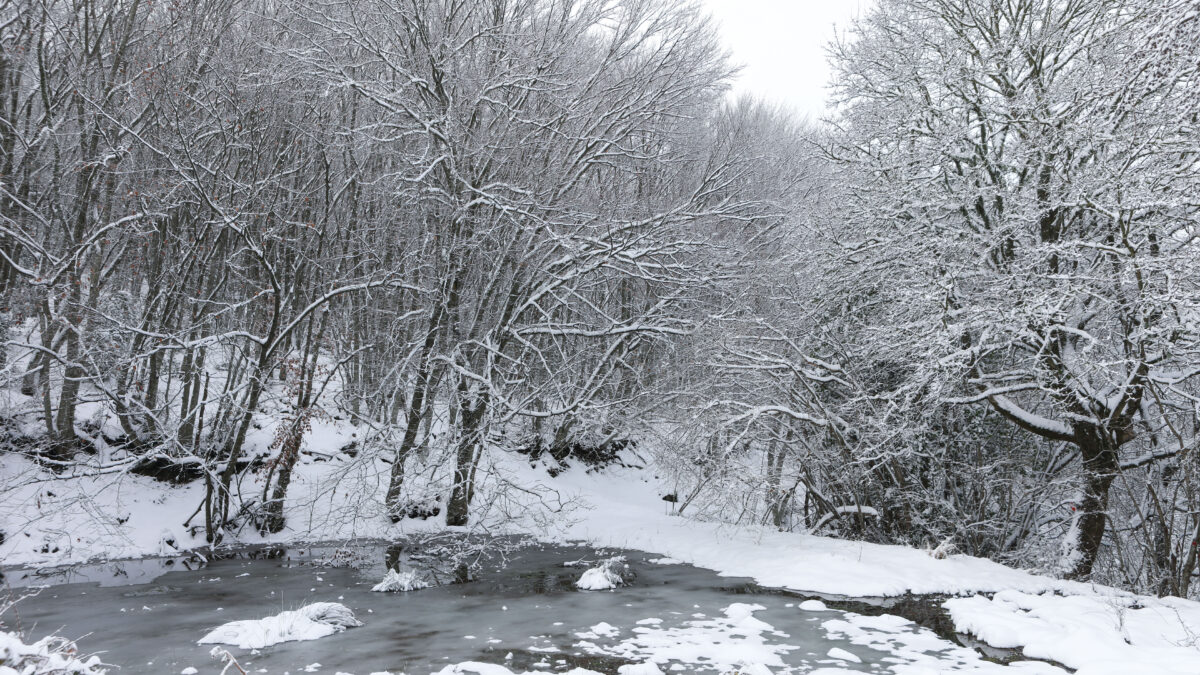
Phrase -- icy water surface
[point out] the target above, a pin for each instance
(146, 616)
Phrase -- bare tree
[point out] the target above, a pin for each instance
(1031, 216)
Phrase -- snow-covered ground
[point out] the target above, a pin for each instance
(1095, 630)
(48, 656)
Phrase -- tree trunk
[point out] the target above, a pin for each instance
(73, 374)
(1099, 452)
(273, 520)
(413, 419)
(1164, 563)
(186, 405)
(411, 427)
(221, 495)
(33, 374)
(458, 508)
(290, 451)
(775, 495)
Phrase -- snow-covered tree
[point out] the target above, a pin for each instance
(1023, 189)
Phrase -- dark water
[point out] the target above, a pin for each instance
(145, 616)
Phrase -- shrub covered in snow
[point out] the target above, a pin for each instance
(307, 623)
(48, 656)
(609, 574)
(400, 582)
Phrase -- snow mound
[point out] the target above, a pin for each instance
(1094, 635)
(307, 623)
(600, 630)
(609, 574)
(48, 656)
(400, 582)
(843, 655)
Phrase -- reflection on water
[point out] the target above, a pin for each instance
(118, 573)
(135, 571)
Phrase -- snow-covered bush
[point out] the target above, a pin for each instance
(48, 656)
(307, 623)
(400, 582)
(609, 574)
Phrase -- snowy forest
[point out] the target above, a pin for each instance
(329, 269)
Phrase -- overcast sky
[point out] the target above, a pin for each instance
(781, 43)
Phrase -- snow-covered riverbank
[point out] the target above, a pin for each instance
(1093, 629)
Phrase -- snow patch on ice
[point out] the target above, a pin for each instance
(602, 629)
(647, 668)
(310, 622)
(843, 655)
(918, 650)
(48, 656)
(736, 641)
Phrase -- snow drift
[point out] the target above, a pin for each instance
(48, 656)
(307, 623)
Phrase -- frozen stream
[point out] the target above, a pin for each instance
(146, 616)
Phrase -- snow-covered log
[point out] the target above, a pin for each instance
(310, 622)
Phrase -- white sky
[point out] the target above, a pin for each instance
(781, 44)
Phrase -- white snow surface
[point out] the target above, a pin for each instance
(1094, 629)
(647, 668)
(603, 577)
(48, 656)
(916, 651)
(735, 642)
(1087, 627)
(597, 579)
(843, 655)
(310, 622)
(1095, 635)
(602, 629)
(626, 513)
